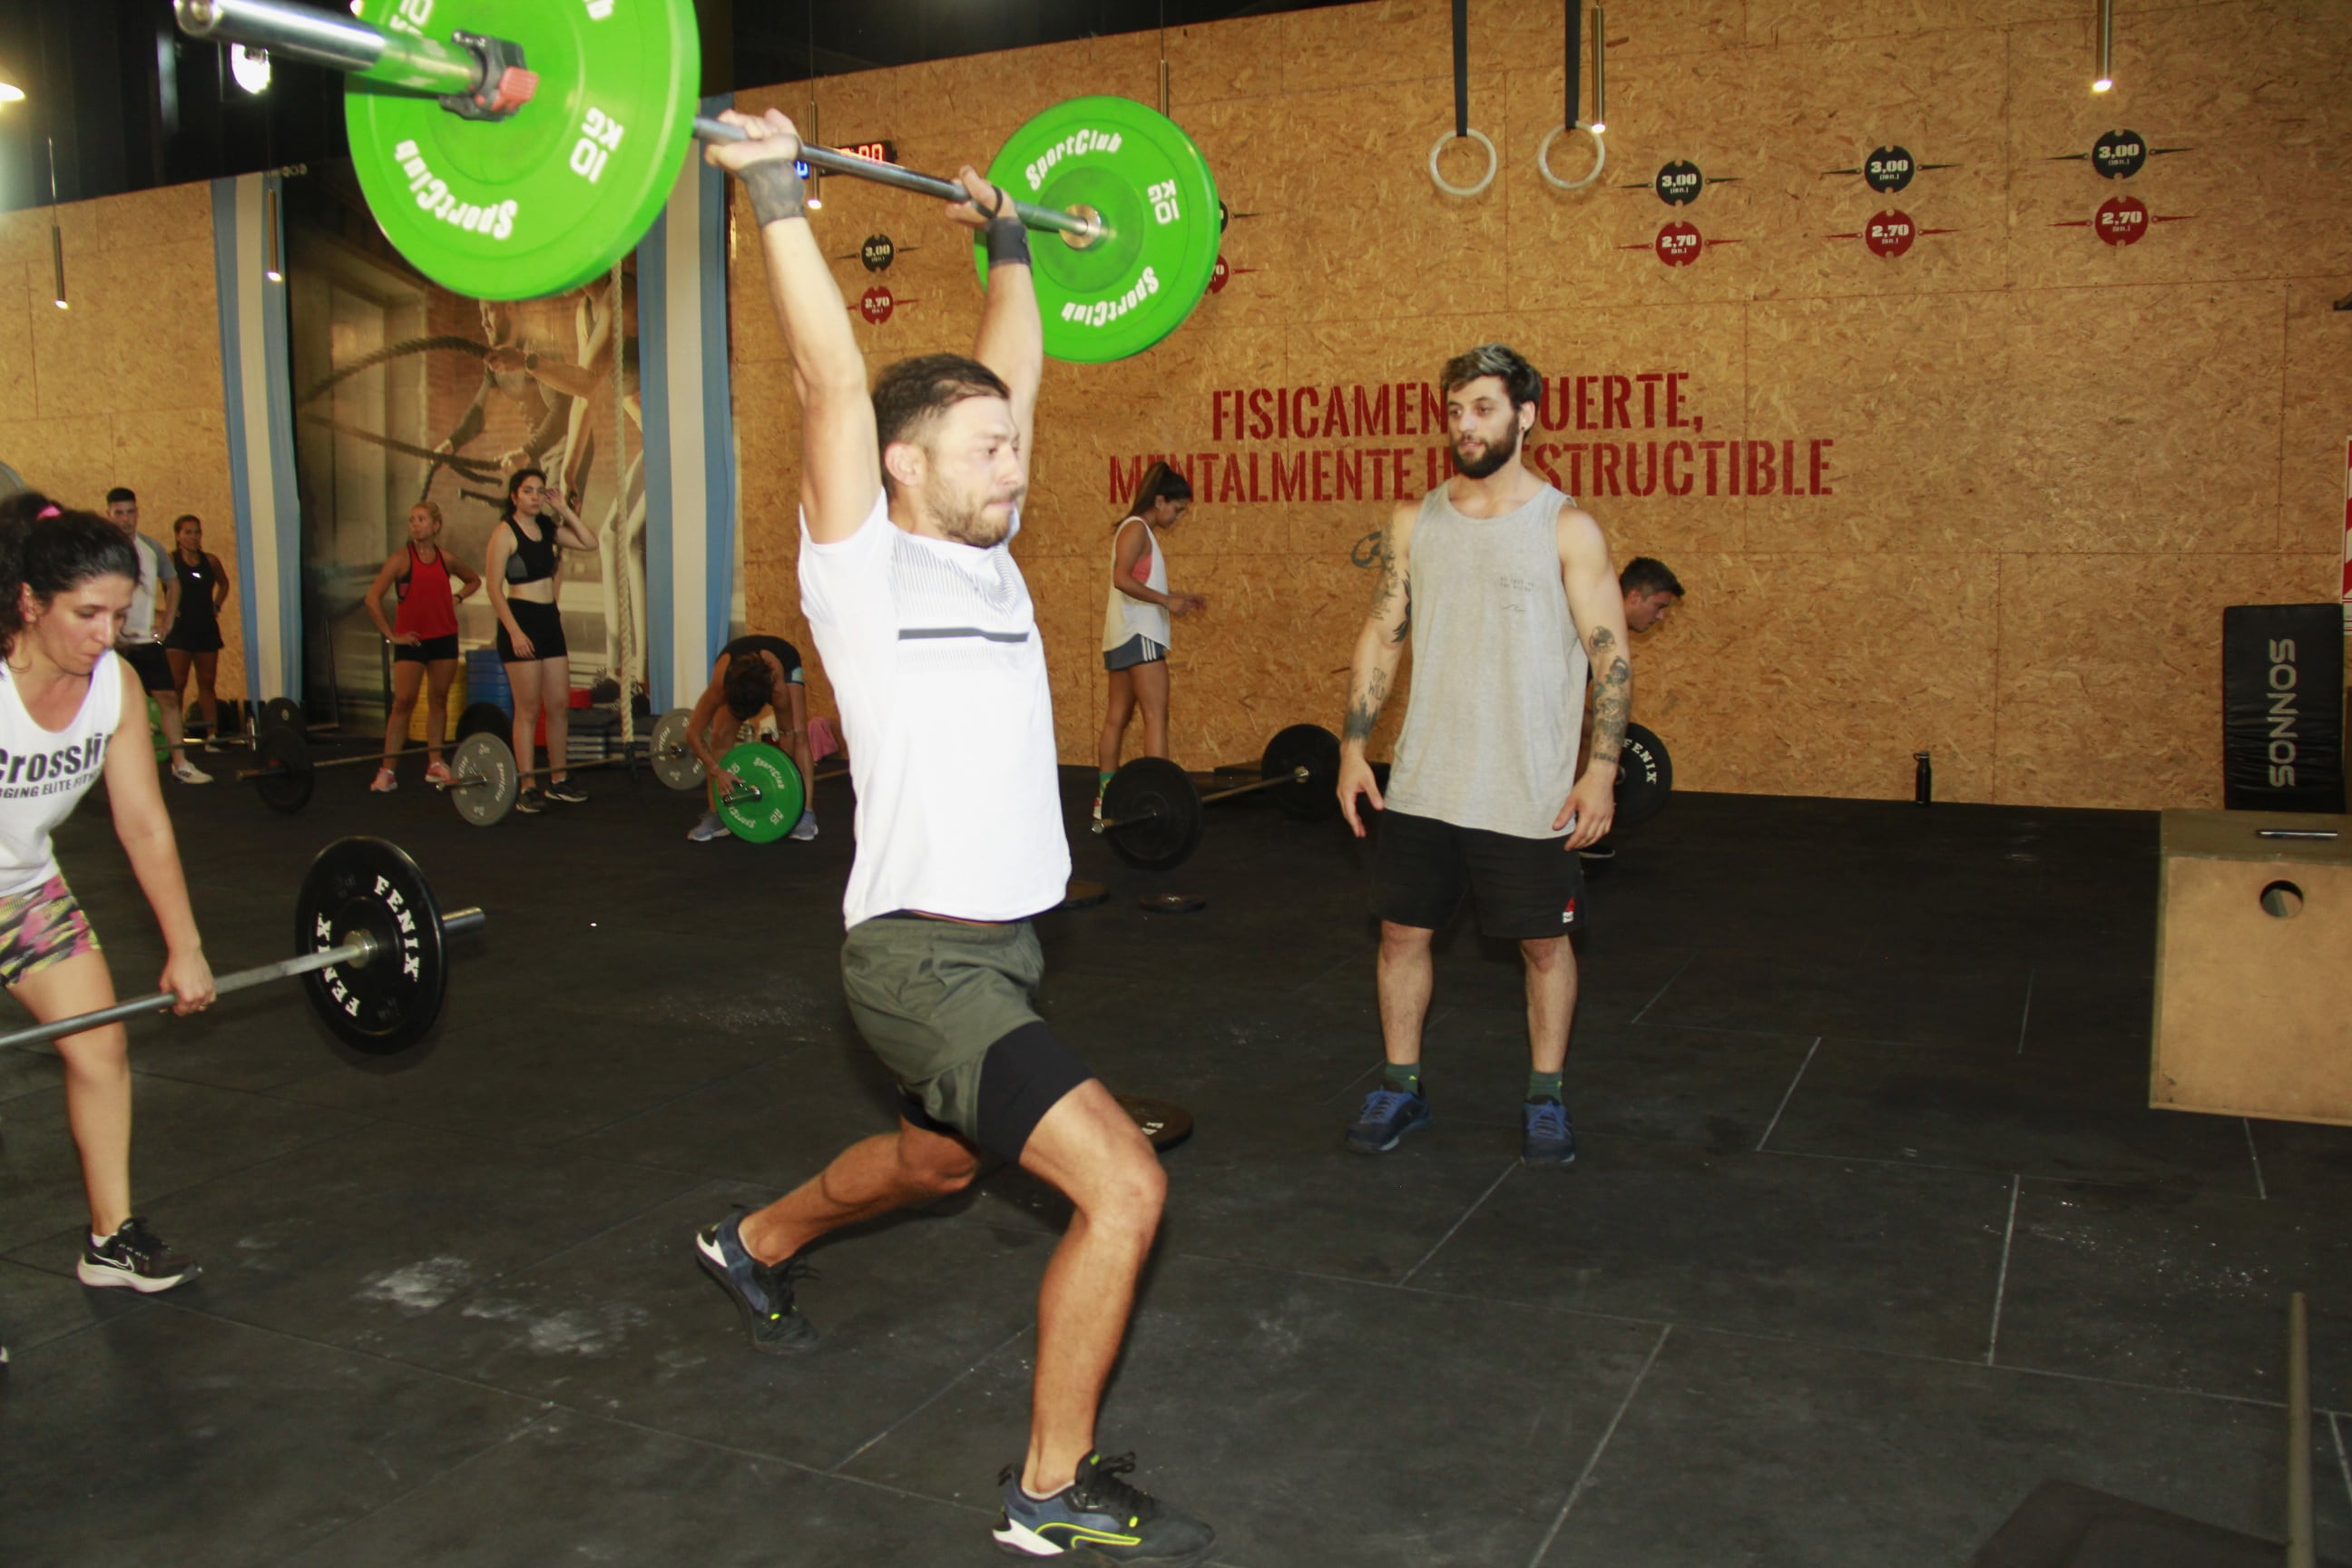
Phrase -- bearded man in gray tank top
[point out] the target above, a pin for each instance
(1504, 588)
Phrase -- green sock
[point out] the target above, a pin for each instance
(1406, 1076)
(1102, 782)
(1543, 1086)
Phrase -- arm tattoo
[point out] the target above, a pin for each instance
(1404, 619)
(1364, 706)
(1612, 702)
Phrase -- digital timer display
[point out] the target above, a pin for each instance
(880, 152)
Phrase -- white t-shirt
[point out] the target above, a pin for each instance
(44, 773)
(154, 571)
(933, 652)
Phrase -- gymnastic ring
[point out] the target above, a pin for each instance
(1600, 157)
(1493, 163)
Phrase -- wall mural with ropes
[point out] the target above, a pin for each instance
(408, 394)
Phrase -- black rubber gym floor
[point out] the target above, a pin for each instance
(1870, 1234)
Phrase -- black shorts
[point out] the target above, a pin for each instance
(1021, 1076)
(204, 638)
(542, 624)
(147, 658)
(433, 650)
(1526, 888)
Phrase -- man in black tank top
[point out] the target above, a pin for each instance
(753, 672)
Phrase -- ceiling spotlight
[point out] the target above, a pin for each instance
(2106, 76)
(11, 93)
(250, 67)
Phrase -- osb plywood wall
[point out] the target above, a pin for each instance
(1986, 496)
(124, 386)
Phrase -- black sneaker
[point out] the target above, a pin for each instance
(1099, 1518)
(763, 1294)
(567, 791)
(133, 1258)
(531, 802)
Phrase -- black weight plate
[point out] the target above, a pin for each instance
(483, 719)
(1164, 1121)
(282, 712)
(1157, 813)
(1315, 749)
(283, 757)
(1645, 777)
(1082, 894)
(1169, 903)
(385, 1005)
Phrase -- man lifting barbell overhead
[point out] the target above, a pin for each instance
(753, 672)
(910, 497)
(1505, 587)
(70, 709)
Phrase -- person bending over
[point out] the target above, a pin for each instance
(1503, 586)
(910, 496)
(755, 671)
(72, 709)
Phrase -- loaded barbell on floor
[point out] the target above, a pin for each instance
(603, 120)
(373, 955)
(1153, 814)
(484, 782)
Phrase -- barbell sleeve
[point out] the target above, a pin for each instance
(1086, 229)
(359, 952)
(340, 43)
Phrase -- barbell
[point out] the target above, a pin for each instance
(511, 167)
(1153, 814)
(373, 953)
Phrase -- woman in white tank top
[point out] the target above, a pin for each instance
(1136, 615)
(70, 711)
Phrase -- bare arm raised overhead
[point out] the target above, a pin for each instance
(1012, 335)
(841, 463)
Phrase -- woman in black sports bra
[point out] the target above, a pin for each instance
(521, 570)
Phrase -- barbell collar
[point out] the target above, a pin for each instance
(339, 43)
(1086, 231)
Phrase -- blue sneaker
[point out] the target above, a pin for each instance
(1546, 1137)
(1099, 1518)
(763, 1294)
(1388, 1115)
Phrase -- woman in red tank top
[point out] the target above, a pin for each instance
(424, 638)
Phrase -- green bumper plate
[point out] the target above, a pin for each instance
(551, 196)
(770, 805)
(1148, 183)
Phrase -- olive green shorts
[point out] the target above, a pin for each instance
(947, 1006)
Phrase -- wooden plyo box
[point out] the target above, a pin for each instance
(2254, 968)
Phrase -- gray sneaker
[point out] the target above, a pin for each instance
(708, 828)
(805, 828)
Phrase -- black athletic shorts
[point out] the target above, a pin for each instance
(433, 650)
(1526, 888)
(542, 624)
(148, 658)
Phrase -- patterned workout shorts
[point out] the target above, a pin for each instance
(41, 926)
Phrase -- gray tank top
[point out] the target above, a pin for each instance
(1495, 710)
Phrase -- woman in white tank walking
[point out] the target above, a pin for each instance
(70, 709)
(1136, 615)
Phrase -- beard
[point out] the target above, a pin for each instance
(964, 518)
(1497, 454)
